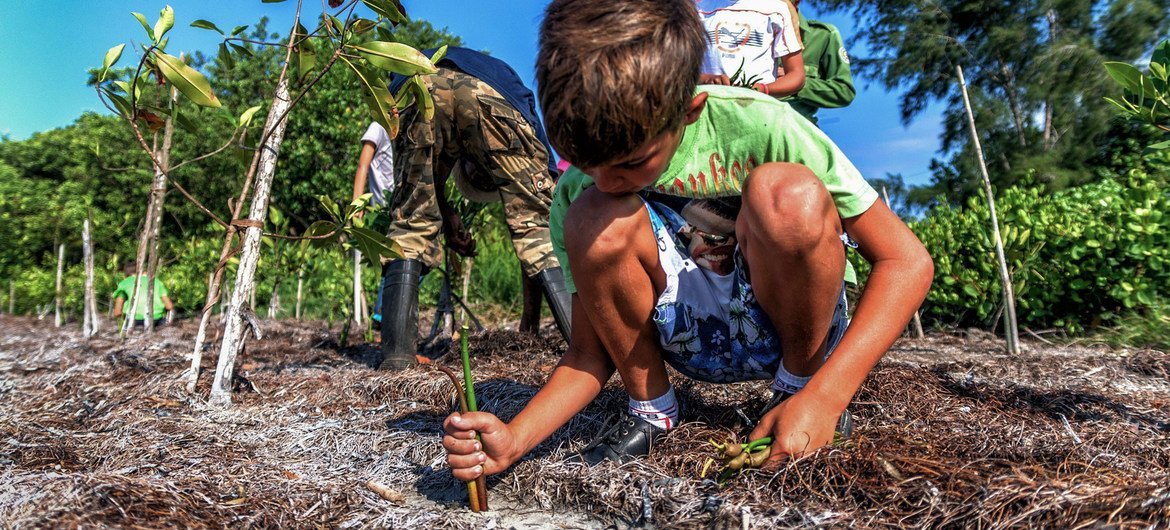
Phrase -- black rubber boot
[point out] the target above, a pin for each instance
(560, 301)
(400, 314)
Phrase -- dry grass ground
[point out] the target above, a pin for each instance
(950, 432)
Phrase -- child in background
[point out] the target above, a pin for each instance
(162, 309)
(753, 38)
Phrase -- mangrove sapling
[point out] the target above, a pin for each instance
(476, 489)
(736, 456)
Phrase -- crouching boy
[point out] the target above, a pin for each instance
(616, 81)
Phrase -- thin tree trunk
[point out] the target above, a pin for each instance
(274, 301)
(11, 297)
(300, 290)
(233, 332)
(357, 288)
(90, 324)
(158, 194)
(1053, 32)
(1011, 329)
(1013, 101)
(59, 299)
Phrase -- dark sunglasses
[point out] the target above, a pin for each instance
(712, 240)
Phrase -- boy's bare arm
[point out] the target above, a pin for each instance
(576, 380)
(363, 169)
(901, 276)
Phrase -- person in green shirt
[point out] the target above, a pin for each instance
(828, 83)
(617, 84)
(162, 306)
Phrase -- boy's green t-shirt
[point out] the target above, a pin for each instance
(738, 130)
(126, 289)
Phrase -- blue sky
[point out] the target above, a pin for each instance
(46, 53)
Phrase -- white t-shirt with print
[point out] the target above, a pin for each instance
(380, 180)
(751, 33)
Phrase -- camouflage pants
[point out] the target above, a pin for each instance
(472, 122)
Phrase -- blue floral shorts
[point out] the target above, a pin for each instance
(711, 326)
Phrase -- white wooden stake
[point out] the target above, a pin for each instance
(357, 288)
(300, 290)
(1011, 329)
(90, 321)
(58, 300)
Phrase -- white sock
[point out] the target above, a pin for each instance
(661, 412)
(786, 381)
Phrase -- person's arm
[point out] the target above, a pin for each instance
(789, 83)
(901, 276)
(118, 306)
(833, 88)
(455, 234)
(363, 169)
(574, 383)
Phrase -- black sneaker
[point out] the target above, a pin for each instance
(628, 438)
(844, 423)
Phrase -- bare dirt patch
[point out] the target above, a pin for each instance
(950, 432)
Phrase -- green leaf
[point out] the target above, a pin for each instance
(166, 21)
(207, 24)
(390, 9)
(242, 50)
(120, 103)
(335, 24)
(276, 216)
(112, 56)
(185, 123)
(363, 25)
(187, 80)
(239, 29)
(971, 291)
(225, 57)
(331, 207)
(145, 25)
(395, 57)
(378, 98)
(1125, 74)
(246, 116)
(422, 96)
(1156, 147)
(320, 228)
(439, 54)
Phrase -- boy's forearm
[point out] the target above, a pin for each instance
(892, 293)
(901, 276)
(574, 383)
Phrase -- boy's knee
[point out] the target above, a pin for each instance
(787, 205)
(601, 228)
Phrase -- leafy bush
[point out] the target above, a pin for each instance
(1080, 257)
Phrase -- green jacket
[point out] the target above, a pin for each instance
(828, 83)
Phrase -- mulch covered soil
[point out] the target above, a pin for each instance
(950, 432)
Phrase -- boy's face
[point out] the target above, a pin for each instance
(632, 173)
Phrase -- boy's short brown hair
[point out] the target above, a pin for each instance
(613, 74)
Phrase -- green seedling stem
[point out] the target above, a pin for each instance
(467, 383)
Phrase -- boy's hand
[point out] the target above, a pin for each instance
(798, 426)
(468, 457)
